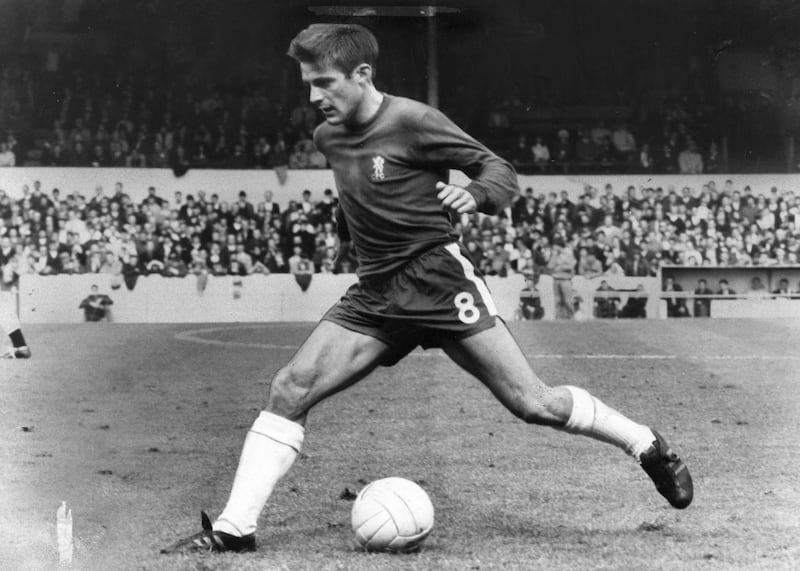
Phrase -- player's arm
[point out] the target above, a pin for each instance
(440, 143)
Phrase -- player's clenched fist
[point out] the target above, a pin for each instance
(456, 198)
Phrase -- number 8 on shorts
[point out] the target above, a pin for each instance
(467, 312)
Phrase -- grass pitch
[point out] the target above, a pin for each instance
(139, 427)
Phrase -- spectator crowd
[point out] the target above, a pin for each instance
(605, 231)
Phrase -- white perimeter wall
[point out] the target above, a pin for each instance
(277, 297)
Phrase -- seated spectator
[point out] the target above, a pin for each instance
(7, 158)
(316, 160)
(586, 149)
(541, 155)
(95, 305)
(623, 142)
(690, 161)
(646, 162)
(606, 304)
(702, 304)
(530, 303)
(588, 264)
(636, 266)
(725, 290)
(600, 132)
(498, 262)
(757, 289)
(175, 266)
(783, 289)
(522, 155)
(676, 304)
(713, 160)
(562, 150)
(636, 305)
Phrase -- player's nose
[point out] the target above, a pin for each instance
(315, 95)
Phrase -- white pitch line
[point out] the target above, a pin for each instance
(193, 336)
(672, 357)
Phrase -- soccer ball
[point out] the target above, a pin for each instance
(392, 514)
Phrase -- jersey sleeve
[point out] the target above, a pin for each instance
(440, 143)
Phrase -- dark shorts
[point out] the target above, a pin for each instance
(438, 295)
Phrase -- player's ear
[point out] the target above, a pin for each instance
(364, 72)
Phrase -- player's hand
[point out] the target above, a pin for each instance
(456, 198)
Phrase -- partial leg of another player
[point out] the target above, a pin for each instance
(9, 323)
(330, 360)
(495, 358)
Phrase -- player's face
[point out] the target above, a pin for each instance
(337, 95)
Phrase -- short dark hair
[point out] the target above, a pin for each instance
(342, 46)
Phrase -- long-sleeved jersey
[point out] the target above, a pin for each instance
(386, 172)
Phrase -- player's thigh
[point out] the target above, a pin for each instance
(494, 357)
(331, 359)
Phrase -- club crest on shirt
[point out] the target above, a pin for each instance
(377, 168)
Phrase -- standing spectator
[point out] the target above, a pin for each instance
(95, 305)
(562, 267)
(702, 303)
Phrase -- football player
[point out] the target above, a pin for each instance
(9, 324)
(391, 159)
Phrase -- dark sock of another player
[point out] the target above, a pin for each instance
(17, 339)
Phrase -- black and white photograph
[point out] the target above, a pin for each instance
(397, 285)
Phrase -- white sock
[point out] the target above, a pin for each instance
(269, 451)
(9, 322)
(593, 418)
